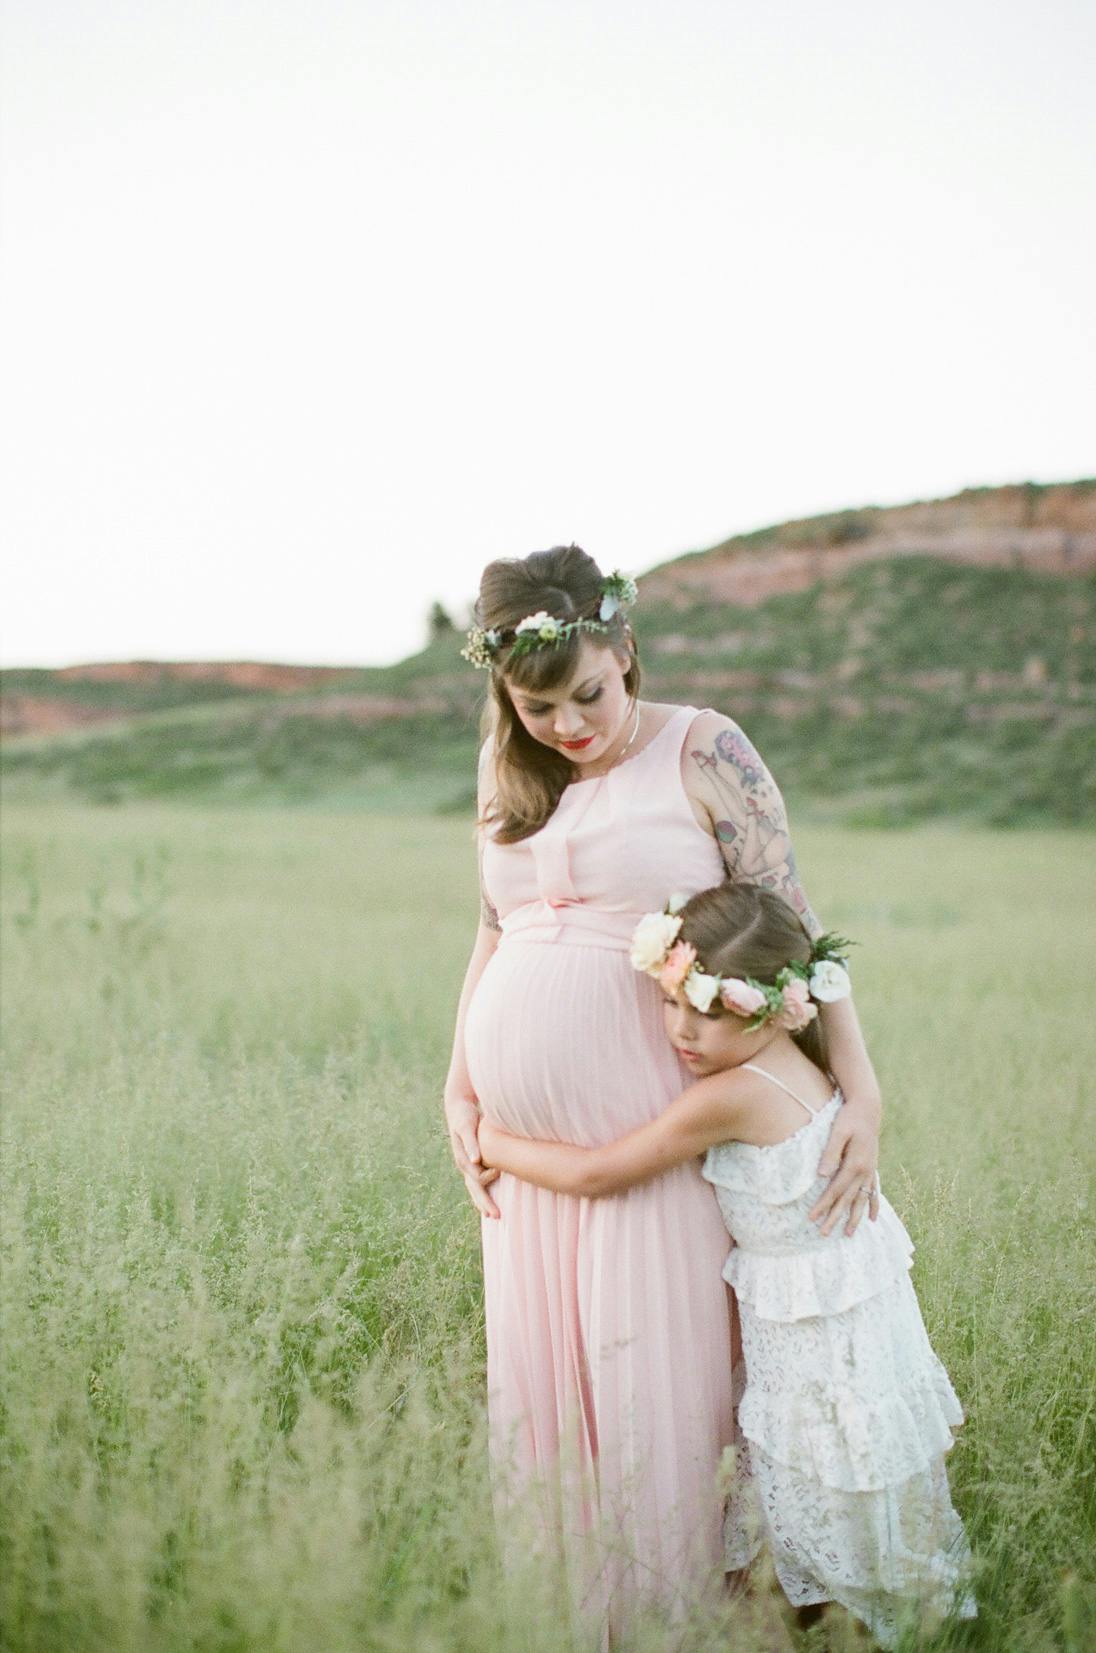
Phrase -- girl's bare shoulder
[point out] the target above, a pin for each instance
(729, 1096)
(768, 1114)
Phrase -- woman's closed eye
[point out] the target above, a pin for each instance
(581, 700)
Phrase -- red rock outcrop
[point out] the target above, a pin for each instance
(1051, 530)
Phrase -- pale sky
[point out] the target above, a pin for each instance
(311, 307)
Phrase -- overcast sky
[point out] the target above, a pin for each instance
(310, 307)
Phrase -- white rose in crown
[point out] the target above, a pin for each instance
(545, 625)
(829, 981)
(700, 990)
(652, 939)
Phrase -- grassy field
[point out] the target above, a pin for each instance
(242, 1331)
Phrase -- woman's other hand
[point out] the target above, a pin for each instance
(488, 1141)
(850, 1160)
(462, 1122)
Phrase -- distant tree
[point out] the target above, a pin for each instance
(440, 622)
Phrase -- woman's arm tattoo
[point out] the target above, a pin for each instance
(751, 825)
(488, 914)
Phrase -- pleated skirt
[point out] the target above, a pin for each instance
(608, 1321)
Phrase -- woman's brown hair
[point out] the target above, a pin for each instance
(566, 583)
(742, 930)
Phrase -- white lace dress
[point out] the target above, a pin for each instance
(847, 1412)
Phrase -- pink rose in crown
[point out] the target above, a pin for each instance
(679, 961)
(798, 1009)
(740, 997)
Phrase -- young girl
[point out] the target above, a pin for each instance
(847, 1412)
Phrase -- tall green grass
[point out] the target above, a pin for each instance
(242, 1328)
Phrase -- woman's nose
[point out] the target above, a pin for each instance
(567, 723)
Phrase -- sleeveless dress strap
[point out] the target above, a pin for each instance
(753, 1067)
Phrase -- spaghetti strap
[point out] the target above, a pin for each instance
(753, 1067)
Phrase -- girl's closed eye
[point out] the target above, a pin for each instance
(705, 1015)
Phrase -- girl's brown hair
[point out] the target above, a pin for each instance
(742, 930)
(566, 583)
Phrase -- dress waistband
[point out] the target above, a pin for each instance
(571, 923)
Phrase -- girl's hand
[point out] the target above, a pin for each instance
(850, 1160)
(462, 1122)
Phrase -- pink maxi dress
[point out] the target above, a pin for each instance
(608, 1321)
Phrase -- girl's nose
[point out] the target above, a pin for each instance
(682, 1022)
(567, 724)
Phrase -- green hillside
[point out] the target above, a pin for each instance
(150, 692)
(899, 690)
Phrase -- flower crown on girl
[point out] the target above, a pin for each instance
(657, 951)
(618, 592)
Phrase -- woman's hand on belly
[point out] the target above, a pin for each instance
(462, 1122)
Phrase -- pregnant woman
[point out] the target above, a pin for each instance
(609, 1328)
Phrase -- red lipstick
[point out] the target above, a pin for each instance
(577, 745)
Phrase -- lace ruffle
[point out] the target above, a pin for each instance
(777, 1174)
(836, 1435)
(887, 1556)
(832, 1276)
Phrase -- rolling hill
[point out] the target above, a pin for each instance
(893, 664)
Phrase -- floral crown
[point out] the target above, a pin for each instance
(618, 593)
(658, 951)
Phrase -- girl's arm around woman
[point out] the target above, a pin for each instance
(707, 1113)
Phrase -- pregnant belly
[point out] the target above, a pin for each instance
(566, 1042)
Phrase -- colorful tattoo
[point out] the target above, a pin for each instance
(751, 824)
(735, 749)
(488, 913)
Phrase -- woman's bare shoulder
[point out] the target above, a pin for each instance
(708, 725)
(708, 719)
(718, 755)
